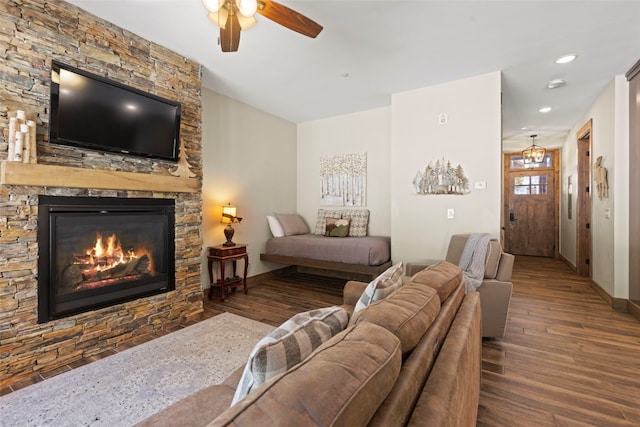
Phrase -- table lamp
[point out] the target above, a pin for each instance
(228, 217)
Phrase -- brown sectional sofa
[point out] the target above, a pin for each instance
(410, 359)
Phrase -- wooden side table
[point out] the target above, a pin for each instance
(222, 254)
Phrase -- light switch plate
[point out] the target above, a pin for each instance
(450, 213)
(480, 185)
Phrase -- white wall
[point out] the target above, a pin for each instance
(248, 159)
(620, 177)
(610, 139)
(472, 138)
(363, 132)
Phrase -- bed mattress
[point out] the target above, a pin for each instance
(369, 250)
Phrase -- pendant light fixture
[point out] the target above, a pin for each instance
(534, 153)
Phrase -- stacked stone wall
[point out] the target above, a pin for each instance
(33, 33)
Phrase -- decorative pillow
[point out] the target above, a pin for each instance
(292, 224)
(288, 345)
(321, 221)
(275, 226)
(359, 221)
(381, 287)
(337, 227)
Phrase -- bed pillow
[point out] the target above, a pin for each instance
(337, 227)
(359, 221)
(321, 221)
(275, 226)
(288, 345)
(292, 224)
(381, 287)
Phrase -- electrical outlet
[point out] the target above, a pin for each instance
(450, 213)
(443, 118)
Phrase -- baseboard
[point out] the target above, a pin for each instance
(566, 261)
(618, 304)
(634, 309)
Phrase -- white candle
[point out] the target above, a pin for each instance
(17, 156)
(32, 141)
(12, 139)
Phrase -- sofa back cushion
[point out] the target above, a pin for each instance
(444, 277)
(494, 251)
(341, 384)
(407, 313)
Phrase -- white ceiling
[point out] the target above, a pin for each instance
(369, 50)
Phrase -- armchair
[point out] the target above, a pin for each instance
(496, 288)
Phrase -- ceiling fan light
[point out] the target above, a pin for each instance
(247, 8)
(211, 5)
(219, 18)
(246, 22)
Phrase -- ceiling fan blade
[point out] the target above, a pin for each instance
(230, 34)
(288, 18)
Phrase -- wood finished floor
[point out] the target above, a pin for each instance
(567, 358)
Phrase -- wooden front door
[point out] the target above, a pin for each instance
(530, 222)
(583, 205)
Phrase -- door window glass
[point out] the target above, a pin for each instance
(534, 184)
(517, 162)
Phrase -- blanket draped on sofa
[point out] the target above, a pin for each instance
(472, 260)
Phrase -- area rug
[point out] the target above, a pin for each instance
(126, 388)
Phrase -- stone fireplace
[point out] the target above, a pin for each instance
(31, 342)
(96, 252)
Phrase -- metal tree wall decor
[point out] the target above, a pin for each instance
(343, 180)
(441, 178)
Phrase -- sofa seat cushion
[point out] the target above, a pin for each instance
(342, 384)
(444, 277)
(407, 313)
(288, 345)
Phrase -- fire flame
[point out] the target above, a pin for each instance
(108, 253)
(104, 256)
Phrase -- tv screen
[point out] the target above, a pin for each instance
(93, 112)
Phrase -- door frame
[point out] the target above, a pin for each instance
(506, 176)
(584, 243)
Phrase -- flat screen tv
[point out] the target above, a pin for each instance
(93, 112)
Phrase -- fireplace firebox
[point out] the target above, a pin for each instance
(101, 251)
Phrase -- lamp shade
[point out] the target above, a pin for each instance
(247, 8)
(229, 214)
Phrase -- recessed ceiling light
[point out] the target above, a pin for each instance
(545, 109)
(566, 59)
(555, 83)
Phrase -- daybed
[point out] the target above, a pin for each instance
(355, 253)
(411, 358)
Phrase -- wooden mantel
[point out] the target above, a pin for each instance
(15, 173)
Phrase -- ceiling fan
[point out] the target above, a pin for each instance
(235, 15)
